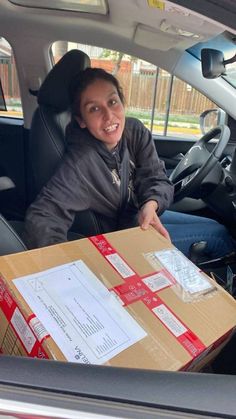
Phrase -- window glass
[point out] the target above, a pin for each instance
(186, 105)
(165, 104)
(160, 114)
(230, 75)
(9, 81)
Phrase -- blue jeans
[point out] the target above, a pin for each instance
(185, 229)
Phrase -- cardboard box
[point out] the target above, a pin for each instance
(126, 299)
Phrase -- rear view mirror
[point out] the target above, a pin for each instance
(213, 63)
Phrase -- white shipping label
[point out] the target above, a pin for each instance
(169, 320)
(38, 328)
(157, 281)
(23, 330)
(184, 271)
(120, 266)
(85, 320)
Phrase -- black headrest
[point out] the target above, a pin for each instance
(54, 91)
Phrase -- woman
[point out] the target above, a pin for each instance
(111, 167)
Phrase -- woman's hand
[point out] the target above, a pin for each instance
(147, 216)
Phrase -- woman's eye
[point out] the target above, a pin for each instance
(93, 109)
(113, 102)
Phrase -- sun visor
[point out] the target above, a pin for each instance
(164, 38)
(149, 37)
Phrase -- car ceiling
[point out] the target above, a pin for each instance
(223, 11)
(135, 24)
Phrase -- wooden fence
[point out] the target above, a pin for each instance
(9, 79)
(138, 88)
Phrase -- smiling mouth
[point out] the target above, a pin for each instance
(111, 128)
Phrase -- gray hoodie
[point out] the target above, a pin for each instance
(89, 177)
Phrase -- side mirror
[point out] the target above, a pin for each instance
(213, 63)
(211, 118)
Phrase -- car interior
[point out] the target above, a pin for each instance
(198, 186)
(37, 143)
(169, 36)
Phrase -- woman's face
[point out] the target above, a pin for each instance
(102, 112)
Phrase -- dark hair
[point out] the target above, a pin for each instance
(84, 79)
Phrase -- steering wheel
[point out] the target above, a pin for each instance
(198, 162)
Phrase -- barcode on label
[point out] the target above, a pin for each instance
(120, 266)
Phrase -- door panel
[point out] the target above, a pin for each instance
(12, 148)
(170, 149)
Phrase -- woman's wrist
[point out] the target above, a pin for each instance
(151, 203)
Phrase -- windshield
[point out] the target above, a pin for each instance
(230, 75)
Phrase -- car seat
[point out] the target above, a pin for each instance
(10, 241)
(47, 140)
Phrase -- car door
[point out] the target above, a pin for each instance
(12, 139)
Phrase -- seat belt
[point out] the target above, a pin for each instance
(124, 182)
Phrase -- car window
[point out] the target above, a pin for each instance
(186, 106)
(230, 75)
(165, 104)
(9, 82)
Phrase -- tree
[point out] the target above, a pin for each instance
(116, 57)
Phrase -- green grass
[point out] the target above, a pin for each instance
(146, 116)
